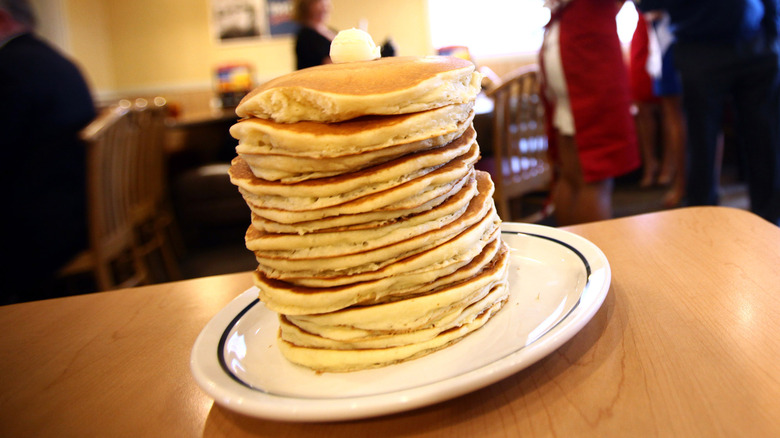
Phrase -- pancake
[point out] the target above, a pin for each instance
(364, 237)
(327, 192)
(345, 360)
(289, 299)
(419, 259)
(402, 198)
(386, 86)
(439, 308)
(351, 137)
(298, 154)
(338, 259)
(383, 325)
(368, 219)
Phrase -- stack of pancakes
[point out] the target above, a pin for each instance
(376, 239)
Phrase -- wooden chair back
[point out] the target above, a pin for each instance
(112, 257)
(148, 189)
(128, 215)
(151, 210)
(520, 165)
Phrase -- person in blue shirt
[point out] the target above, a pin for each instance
(44, 103)
(727, 51)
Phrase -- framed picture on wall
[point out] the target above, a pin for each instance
(246, 20)
(280, 20)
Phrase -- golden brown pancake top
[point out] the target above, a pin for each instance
(367, 77)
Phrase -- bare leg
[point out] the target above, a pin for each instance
(673, 171)
(647, 127)
(575, 200)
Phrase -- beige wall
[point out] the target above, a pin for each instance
(405, 21)
(90, 41)
(145, 46)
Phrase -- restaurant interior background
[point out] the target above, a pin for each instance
(169, 47)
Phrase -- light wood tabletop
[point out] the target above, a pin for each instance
(687, 343)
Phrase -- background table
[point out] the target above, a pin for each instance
(685, 344)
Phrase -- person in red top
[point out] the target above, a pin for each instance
(587, 98)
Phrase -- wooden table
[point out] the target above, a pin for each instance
(686, 344)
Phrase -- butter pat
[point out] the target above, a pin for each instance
(353, 45)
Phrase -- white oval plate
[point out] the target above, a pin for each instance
(557, 282)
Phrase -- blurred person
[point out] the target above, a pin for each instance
(45, 103)
(312, 42)
(728, 51)
(646, 102)
(587, 99)
(668, 87)
(656, 89)
(388, 48)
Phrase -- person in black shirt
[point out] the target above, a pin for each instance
(728, 51)
(44, 103)
(312, 43)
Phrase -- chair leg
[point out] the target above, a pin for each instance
(165, 234)
(103, 277)
(173, 233)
